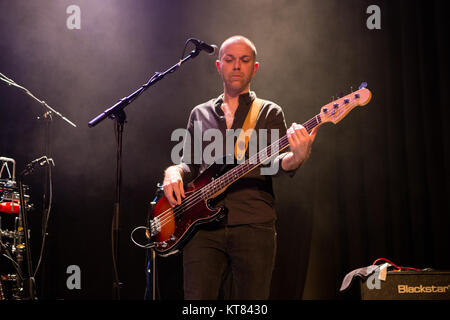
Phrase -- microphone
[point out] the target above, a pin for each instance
(29, 168)
(210, 49)
(40, 160)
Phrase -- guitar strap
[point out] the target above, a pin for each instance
(247, 129)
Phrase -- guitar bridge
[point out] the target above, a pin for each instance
(155, 226)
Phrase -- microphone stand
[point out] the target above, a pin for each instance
(29, 284)
(47, 120)
(42, 102)
(117, 112)
(29, 289)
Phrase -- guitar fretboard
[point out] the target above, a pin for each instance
(253, 162)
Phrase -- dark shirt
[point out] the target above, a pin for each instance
(251, 198)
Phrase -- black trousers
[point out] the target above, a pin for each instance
(230, 262)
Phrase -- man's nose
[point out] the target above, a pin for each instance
(237, 64)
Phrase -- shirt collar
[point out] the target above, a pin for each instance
(245, 99)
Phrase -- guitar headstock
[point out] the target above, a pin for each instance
(336, 110)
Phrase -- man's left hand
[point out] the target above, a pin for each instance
(300, 142)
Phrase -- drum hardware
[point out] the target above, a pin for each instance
(10, 284)
(9, 197)
(11, 249)
(13, 240)
(5, 161)
(8, 234)
(8, 287)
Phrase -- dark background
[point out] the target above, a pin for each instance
(376, 184)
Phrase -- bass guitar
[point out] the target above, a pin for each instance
(170, 228)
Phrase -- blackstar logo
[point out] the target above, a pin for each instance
(404, 288)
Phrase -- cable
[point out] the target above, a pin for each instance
(114, 258)
(144, 246)
(394, 265)
(47, 215)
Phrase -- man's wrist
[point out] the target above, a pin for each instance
(289, 163)
(176, 168)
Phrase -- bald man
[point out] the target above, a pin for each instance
(242, 246)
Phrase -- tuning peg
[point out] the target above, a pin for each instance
(351, 89)
(336, 105)
(363, 85)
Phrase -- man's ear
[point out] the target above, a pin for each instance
(255, 67)
(218, 65)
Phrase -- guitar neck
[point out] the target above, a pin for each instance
(255, 161)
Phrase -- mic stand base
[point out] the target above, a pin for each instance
(29, 289)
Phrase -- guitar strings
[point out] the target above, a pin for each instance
(166, 216)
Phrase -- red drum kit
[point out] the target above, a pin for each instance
(12, 245)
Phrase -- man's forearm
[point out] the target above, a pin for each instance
(289, 163)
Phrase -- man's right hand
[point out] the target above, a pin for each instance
(173, 185)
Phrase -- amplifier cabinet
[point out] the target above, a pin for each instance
(407, 285)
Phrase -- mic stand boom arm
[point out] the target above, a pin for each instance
(12, 83)
(115, 109)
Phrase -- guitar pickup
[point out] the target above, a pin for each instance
(155, 226)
